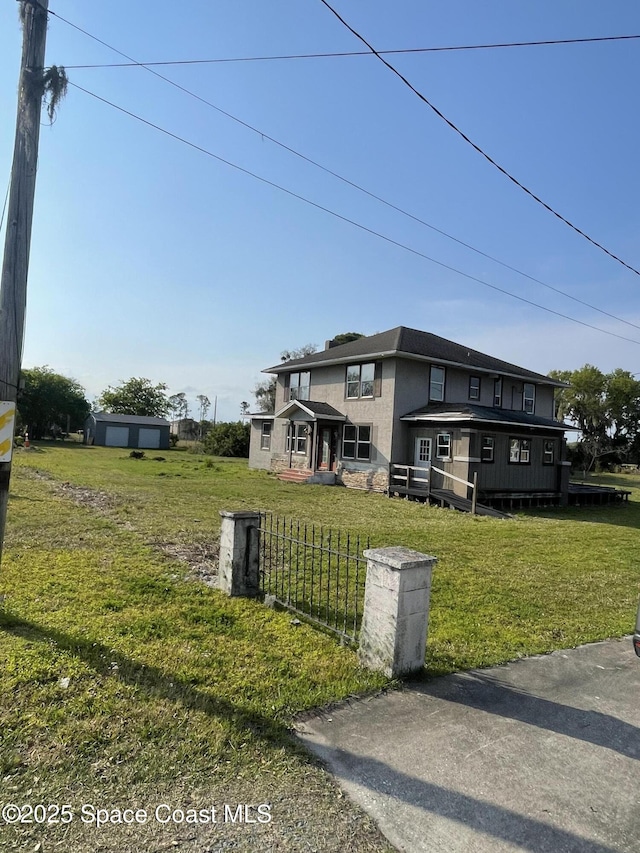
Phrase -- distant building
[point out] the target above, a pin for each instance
(107, 430)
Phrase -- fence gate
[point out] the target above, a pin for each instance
(315, 572)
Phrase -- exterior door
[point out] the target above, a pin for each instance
(326, 448)
(422, 460)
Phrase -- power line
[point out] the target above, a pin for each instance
(477, 147)
(347, 53)
(350, 183)
(339, 216)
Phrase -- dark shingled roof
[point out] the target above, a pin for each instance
(411, 343)
(319, 410)
(129, 419)
(471, 412)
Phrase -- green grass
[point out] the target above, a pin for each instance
(120, 675)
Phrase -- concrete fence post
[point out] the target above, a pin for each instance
(239, 561)
(393, 636)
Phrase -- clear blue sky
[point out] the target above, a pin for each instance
(149, 258)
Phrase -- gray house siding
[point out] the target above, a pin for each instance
(466, 411)
(259, 455)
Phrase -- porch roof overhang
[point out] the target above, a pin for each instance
(309, 411)
(479, 415)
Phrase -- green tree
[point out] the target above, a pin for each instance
(346, 338)
(228, 439)
(136, 397)
(265, 391)
(605, 407)
(49, 400)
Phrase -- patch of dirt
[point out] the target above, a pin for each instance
(201, 558)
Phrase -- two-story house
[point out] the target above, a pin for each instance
(354, 412)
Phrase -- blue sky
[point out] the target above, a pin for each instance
(150, 258)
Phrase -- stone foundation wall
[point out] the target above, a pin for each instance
(281, 463)
(372, 481)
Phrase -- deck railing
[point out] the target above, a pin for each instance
(403, 477)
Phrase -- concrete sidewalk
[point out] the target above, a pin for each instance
(542, 755)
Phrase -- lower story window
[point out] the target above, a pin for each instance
(265, 437)
(548, 452)
(487, 449)
(519, 451)
(297, 438)
(443, 445)
(356, 442)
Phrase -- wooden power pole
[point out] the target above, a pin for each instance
(13, 291)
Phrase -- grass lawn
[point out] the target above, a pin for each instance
(124, 682)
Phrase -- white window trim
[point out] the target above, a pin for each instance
(531, 398)
(360, 395)
(439, 444)
(433, 383)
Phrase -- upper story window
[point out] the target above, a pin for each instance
(361, 380)
(436, 384)
(474, 387)
(299, 385)
(529, 397)
(497, 392)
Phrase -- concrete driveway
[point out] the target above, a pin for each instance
(542, 754)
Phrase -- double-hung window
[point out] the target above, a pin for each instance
(356, 442)
(436, 384)
(443, 445)
(519, 451)
(265, 437)
(474, 387)
(529, 398)
(299, 385)
(360, 380)
(488, 448)
(497, 393)
(297, 438)
(548, 452)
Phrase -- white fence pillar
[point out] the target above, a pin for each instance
(393, 636)
(239, 561)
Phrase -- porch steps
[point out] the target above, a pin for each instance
(295, 475)
(448, 498)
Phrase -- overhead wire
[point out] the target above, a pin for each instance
(343, 218)
(350, 183)
(476, 147)
(347, 53)
(371, 194)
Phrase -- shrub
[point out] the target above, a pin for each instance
(228, 439)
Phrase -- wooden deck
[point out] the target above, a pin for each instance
(581, 494)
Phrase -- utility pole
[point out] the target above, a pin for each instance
(13, 291)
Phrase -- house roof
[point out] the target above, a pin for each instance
(414, 344)
(315, 410)
(129, 419)
(471, 413)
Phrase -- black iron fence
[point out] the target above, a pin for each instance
(314, 571)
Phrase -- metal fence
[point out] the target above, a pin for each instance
(314, 571)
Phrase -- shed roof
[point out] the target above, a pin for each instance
(138, 420)
(412, 343)
(452, 413)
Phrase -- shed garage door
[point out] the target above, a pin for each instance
(149, 438)
(117, 436)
